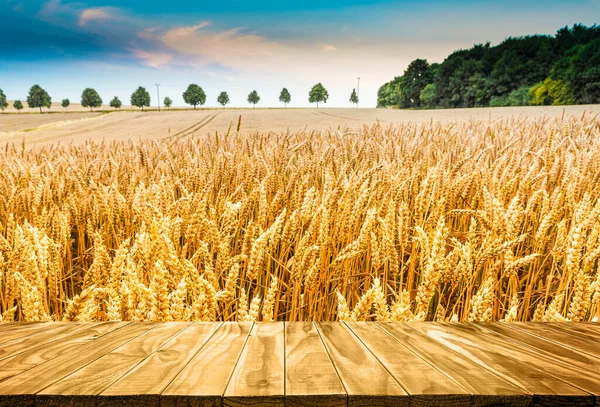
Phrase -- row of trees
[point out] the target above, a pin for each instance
(194, 96)
(537, 70)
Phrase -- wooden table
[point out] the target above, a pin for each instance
(299, 364)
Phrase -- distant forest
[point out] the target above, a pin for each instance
(532, 70)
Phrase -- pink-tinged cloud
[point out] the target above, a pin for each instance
(95, 14)
(152, 59)
(328, 47)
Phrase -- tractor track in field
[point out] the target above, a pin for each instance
(193, 128)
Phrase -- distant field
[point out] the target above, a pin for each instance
(77, 127)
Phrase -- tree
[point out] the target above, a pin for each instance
(38, 98)
(415, 78)
(317, 94)
(354, 97)
(65, 103)
(116, 103)
(140, 98)
(194, 95)
(3, 101)
(285, 96)
(253, 98)
(551, 92)
(428, 96)
(18, 105)
(90, 98)
(223, 98)
(168, 102)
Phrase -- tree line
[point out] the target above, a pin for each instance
(194, 96)
(531, 70)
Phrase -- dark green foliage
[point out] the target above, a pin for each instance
(168, 102)
(317, 94)
(194, 95)
(116, 103)
(140, 98)
(38, 98)
(502, 75)
(18, 105)
(285, 96)
(253, 98)
(3, 101)
(90, 98)
(223, 98)
(65, 103)
(354, 97)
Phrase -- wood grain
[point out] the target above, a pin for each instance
(92, 379)
(38, 378)
(18, 332)
(56, 332)
(259, 375)
(582, 338)
(484, 387)
(67, 346)
(512, 363)
(149, 378)
(311, 379)
(365, 379)
(409, 369)
(204, 379)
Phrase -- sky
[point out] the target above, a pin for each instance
(238, 45)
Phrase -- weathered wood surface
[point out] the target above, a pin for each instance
(299, 364)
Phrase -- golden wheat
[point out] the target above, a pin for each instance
(471, 220)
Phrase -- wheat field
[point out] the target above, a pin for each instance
(470, 221)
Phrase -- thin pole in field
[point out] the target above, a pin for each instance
(158, 95)
(358, 92)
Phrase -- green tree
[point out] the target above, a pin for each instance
(90, 98)
(223, 98)
(354, 97)
(317, 94)
(38, 98)
(168, 102)
(18, 105)
(285, 97)
(551, 92)
(428, 96)
(116, 103)
(3, 101)
(194, 95)
(65, 103)
(140, 98)
(415, 78)
(253, 98)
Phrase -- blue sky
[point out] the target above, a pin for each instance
(238, 45)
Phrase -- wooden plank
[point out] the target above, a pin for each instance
(310, 377)
(548, 348)
(142, 385)
(484, 387)
(508, 361)
(259, 375)
(59, 332)
(582, 339)
(425, 385)
(91, 380)
(67, 346)
(19, 331)
(204, 379)
(18, 390)
(366, 381)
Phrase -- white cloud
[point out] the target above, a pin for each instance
(228, 78)
(95, 14)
